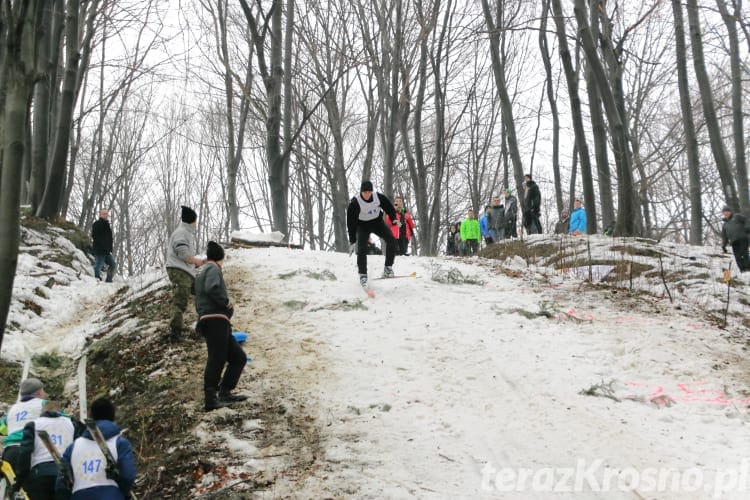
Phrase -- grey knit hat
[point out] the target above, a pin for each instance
(31, 386)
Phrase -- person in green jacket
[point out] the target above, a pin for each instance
(470, 233)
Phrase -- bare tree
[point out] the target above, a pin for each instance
(627, 216)
(709, 111)
(19, 21)
(731, 20)
(52, 199)
(551, 99)
(497, 67)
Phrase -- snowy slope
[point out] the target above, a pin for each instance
(452, 391)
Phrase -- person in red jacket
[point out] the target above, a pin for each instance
(403, 232)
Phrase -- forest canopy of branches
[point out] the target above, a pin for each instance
(267, 114)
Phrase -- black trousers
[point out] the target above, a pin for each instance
(364, 230)
(740, 249)
(403, 245)
(223, 350)
(40, 487)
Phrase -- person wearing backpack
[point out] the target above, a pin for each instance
(87, 465)
(37, 470)
(28, 408)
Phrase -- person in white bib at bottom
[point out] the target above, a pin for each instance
(87, 465)
(25, 410)
(37, 470)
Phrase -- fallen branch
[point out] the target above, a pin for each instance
(48, 273)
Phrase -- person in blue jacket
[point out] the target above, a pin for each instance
(483, 225)
(86, 464)
(577, 219)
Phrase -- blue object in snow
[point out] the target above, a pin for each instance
(240, 337)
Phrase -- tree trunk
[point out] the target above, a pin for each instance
(18, 47)
(599, 132)
(41, 127)
(627, 214)
(731, 21)
(577, 117)
(505, 102)
(544, 48)
(709, 111)
(277, 182)
(393, 107)
(691, 142)
(55, 186)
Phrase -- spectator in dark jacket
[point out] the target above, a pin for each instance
(511, 214)
(101, 234)
(454, 237)
(496, 220)
(214, 311)
(735, 231)
(87, 465)
(532, 203)
(563, 224)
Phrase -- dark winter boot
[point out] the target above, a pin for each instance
(228, 397)
(175, 336)
(213, 402)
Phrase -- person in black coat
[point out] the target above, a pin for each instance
(735, 231)
(101, 234)
(532, 203)
(365, 216)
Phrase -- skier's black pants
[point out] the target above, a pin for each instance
(40, 487)
(403, 245)
(364, 229)
(223, 349)
(740, 249)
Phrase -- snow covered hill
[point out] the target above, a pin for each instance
(561, 368)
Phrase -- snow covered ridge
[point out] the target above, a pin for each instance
(687, 276)
(46, 289)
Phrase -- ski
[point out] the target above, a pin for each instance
(412, 275)
(9, 477)
(26, 368)
(55, 453)
(112, 471)
(82, 403)
(369, 291)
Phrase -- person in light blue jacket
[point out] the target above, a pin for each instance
(483, 225)
(577, 219)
